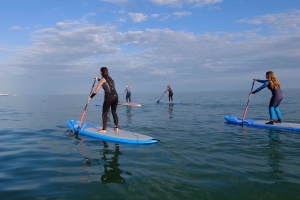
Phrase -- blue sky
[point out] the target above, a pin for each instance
(57, 47)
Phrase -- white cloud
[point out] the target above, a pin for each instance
(78, 47)
(279, 21)
(4, 47)
(155, 15)
(182, 13)
(115, 1)
(120, 19)
(137, 17)
(179, 3)
(15, 28)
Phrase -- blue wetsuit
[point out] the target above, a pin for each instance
(128, 94)
(275, 100)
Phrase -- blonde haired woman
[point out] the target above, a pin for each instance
(274, 85)
(128, 93)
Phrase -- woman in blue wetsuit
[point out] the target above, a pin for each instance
(273, 84)
(128, 93)
(110, 97)
(169, 89)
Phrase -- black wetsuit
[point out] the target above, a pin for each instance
(110, 100)
(170, 94)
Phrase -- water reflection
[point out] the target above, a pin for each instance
(170, 111)
(128, 114)
(275, 156)
(110, 156)
(112, 173)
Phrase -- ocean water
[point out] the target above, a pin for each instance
(199, 156)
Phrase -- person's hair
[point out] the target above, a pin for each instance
(273, 81)
(169, 87)
(104, 71)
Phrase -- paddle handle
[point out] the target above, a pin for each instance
(246, 109)
(160, 97)
(87, 103)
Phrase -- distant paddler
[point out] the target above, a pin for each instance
(128, 93)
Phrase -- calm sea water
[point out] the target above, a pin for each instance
(200, 157)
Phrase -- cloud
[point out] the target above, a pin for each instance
(116, 1)
(4, 47)
(120, 19)
(155, 15)
(15, 28)
(179, 3)
(182, 13)
(75, 48)
(279, 21)
(137, 17)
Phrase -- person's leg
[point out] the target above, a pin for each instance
(278, 113)
(271, 110)
(114, 106)
(129, 97)
(105, 109)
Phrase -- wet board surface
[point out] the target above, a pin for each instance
(262, 124)
(162, 102)
(111, 135)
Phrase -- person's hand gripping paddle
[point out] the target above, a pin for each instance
(246, 109)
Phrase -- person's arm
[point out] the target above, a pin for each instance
(100, 83)
(261, 87)
(261, 81)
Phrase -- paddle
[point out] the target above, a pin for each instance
(245, 111)
(87, 103)
(160, 97)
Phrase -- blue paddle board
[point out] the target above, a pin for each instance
(99, 104)
(121, 136)
(162, 102)
(262, 124)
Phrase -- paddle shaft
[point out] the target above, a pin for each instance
(246, 109)
(87, 103)
(160, 98)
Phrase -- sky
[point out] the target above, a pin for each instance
(58, 47)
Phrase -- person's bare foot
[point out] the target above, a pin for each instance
(102, 131)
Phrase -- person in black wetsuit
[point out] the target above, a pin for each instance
(170, 93)
(274, 85)
(110, 97)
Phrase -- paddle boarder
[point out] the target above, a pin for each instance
(273, 84)
(110, 97)
(128, 93)
(169, 89)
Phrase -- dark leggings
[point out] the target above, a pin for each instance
(128, 97)
(170, 96)
(110, 101)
